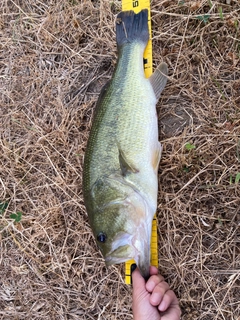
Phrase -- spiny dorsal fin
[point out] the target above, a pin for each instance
(125, 165)
(158, 79)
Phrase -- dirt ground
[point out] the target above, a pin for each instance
(54, 58)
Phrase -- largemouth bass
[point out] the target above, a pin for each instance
(120, 182)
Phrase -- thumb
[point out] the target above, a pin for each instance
(138, 283)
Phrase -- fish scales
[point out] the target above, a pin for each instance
(122, 116)
(123, 152)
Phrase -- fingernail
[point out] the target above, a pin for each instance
(162, 306)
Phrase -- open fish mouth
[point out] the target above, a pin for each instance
(122, 249)
(122, 254)
(126, 247)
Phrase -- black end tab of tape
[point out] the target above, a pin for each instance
(133, 267)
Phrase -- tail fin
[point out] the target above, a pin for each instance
(132, 27)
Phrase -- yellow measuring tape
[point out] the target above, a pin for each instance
(137, 6)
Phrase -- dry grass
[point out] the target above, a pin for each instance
(54, 58)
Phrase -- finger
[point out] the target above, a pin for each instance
(153, 281)
(172, 313)
(158, 293)
(169, 299)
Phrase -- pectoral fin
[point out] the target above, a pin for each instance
(156, 157)
(125, 165)
(158, 79)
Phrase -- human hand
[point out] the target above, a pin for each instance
(153, 300)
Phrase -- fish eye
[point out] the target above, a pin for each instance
(102, 237)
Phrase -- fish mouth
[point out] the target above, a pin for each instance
(126, 247)
(122, 254)
(121, 250)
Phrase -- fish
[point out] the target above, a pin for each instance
(120, 182)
